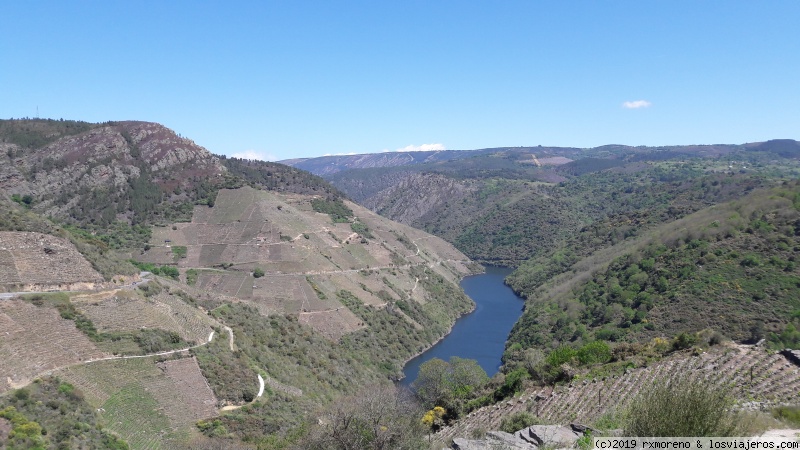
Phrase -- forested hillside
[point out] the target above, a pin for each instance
(509, 206)
(730, 268)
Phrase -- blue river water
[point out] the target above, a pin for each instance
(481, 334)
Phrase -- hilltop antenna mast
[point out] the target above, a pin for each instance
(37, 111)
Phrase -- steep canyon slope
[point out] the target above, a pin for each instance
(272, 295)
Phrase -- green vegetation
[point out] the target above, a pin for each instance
(333, 207)
(165, 271)
(179, 251)
(35, 133)
(496, 209)
(60, 301)
(278, 177)
(258, 272)
(518, 421)
(24, 200)
(294, 355)
(733, 262)
(52, 414)
(191, 276)
(117, 235)
(448, 383)
(378, 418)
(682, 407)
(363, 230)
(95, 248)
(788, 414)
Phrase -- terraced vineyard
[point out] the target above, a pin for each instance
(34, 340)
(755, 377)
(306, 259)
(36, 261)
(123, 310)
(151, 404)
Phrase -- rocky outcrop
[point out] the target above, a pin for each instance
(533, 437)
(494, 440)
(102, 164)
(414, 197)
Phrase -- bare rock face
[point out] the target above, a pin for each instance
(533, 437)
(549, 435)
(418, 195)
(492, 441)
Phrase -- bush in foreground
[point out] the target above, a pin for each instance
(377, 418)
(682, 407)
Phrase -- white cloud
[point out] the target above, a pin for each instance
(636, 104)
(421, 148)
(255, 154)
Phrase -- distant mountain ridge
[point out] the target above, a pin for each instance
(326, 166)
(329, 165)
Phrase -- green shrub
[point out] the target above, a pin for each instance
(361, 229)
(684, 341)
(179, 251)
(512, 383)
(334, 207)
(789, 414)
(682, 407)
(191, 277)
(594, 353)
(561, 355)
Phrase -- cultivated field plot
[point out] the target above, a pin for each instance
(176, 237)
(229, 233)
(129, 311)
(284, 294)
(372, 283)
(149, 404)
(231, 205)
(360, 254)
(332, 324)
(184, 379)
(35, 340)
(749, 373)
(439, 247)
(341, 258)
(8, 270)
(233, 284)
(42, 260)
(159, 255)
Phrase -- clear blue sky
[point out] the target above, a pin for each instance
(291, 78)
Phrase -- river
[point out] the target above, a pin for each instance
(481, 334)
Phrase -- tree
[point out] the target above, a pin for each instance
(447, 384)
(258, 272)
(431, 384)
(378, 418)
